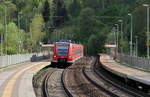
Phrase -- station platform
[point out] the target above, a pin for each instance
(17, 81)
(123, 71)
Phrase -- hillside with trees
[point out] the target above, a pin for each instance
(89, 22)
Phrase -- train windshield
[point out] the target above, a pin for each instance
(62, 49)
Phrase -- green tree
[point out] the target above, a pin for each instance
(139, 28)
(12, 38)
(87, 24)
(37, 29)
(46, 11)
(75, 8)
(96, 43)
(60, 13)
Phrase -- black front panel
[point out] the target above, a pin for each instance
(62, 60)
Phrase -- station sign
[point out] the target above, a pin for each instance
(19, 42)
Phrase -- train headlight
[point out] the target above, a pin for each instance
(69, 56)
(54, 56)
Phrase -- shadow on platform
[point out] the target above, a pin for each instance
(35, 58)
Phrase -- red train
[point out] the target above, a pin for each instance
(66, 52)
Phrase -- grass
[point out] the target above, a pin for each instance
(44, 70)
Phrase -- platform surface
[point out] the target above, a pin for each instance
(17, 81)
(124, 71)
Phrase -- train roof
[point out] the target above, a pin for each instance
(66, 41)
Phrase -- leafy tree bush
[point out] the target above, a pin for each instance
(37, 29)
(12, 38)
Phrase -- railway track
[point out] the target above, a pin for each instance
(95, 82)
(54, 84)
(81, 80)
(97, 85)
(38, 84)
(45, 84)
(64, 85)
(77, 85)
(58, 76)
(102, 74)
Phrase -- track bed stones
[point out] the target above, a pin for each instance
(78, 85)
(54, 86)
(85, 78)
(38, 81)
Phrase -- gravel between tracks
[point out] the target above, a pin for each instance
(54, 85)
(76, 82)
(78, 85)
(100, 82)
(38, 83)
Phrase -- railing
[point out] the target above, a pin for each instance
(19, 58)
(136, 62)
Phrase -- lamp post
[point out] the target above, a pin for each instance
(5, 30)
(6, 43)
(31, 35)
(121, 34)
(136, 50)
(1, 44)
(19, 39)
(5, 21)
(113, 30)
(117, 35)
(131, 34)
(148, 44)
(55, 33)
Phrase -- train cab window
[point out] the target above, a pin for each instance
(62, 50)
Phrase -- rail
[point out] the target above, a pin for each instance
(64, 85)
(95, 83)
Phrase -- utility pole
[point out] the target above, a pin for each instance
(121, 34)
(131, 34)
(26, 24)
(117, 36)
(19, 39)
(6, 30)
(55, 34)
(5, 21)
(136, 46)
(1, 44)
(103, 4)
(113, 31)
(31, 36)
(148, 44)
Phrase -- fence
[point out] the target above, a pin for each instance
(137, 62)
(19, 58)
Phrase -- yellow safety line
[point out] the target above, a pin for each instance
(9, 87)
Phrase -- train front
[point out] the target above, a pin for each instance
(60, 52)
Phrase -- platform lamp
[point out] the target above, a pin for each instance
(5, 43)
(131, 34)
(148, 44)
(117, 35)
(19, 38)
(121, 21)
